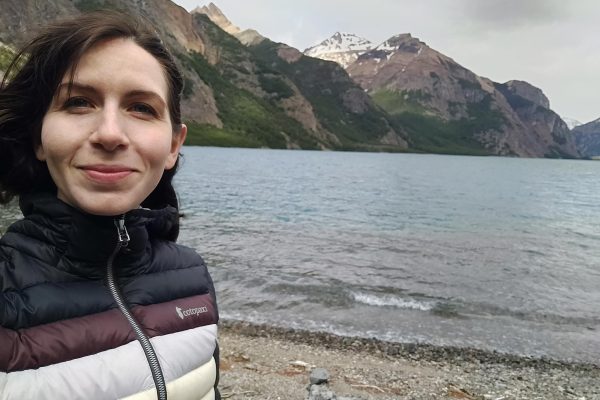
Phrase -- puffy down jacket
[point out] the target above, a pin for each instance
(103, 308)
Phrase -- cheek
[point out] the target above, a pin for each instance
(157, 152)
(40, 149)
(54, 146)
(46, 149)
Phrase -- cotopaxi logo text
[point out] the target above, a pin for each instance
(191, 311)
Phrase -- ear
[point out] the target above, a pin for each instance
(176, 143)
(40, 154)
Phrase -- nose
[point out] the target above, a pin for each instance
(110, 133)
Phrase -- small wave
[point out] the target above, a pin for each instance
(477, 309)
(393, 301)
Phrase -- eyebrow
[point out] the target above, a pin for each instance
(69, 86)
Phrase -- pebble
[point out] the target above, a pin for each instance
(319, 376)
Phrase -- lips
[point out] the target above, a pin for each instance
(107, 173)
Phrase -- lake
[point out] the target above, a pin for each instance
(485, 252)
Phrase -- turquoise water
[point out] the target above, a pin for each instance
(493, 253)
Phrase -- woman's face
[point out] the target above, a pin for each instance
(108, 141)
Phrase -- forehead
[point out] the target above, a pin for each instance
(121, 64)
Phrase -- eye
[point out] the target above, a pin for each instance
(142, 108)
(77, 103)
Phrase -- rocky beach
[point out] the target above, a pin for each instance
(268, 363)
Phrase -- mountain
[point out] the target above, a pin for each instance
(250, 37)
(342, 48)
(216, 15)
(236, 95)
(247, 36)
(331, 101)
(587, 138)
(445, 107)
(571, 122)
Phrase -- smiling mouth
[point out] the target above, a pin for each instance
(107, 173)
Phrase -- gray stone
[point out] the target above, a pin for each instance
(319, 376)
(320, 392)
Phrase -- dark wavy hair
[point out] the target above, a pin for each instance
(33, 77)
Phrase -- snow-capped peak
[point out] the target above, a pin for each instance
(571, 123)
(342, 48)
(339, 43)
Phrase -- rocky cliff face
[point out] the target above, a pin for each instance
(411, 80)
(250, 37)
(528, 92)
(216, 15)
(247, 36)
(342, 48)
(587, 138)
(19, 18)
(543, 130)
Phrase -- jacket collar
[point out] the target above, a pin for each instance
(85, 241)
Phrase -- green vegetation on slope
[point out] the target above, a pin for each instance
(275, 85)
(432, 134)
(209, 135)
(248, 120)
(399, 102)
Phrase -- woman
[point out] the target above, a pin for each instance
(97, 301)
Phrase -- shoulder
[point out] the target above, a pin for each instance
(24, 258)
(173, 271)
(176, 256)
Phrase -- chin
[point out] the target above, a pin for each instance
(107, 207)
(107, 212)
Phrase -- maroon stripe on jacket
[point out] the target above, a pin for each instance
(62, 340)
(66, 340)
(176, 315)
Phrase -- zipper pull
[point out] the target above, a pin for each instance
(122, 233)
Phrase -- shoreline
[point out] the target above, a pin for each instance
(415, 351)
(272, 363)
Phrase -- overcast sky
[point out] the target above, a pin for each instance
(552, 44)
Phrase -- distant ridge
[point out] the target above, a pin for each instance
(587, 137)
(445, 107)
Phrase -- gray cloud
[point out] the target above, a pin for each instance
(512, 13)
